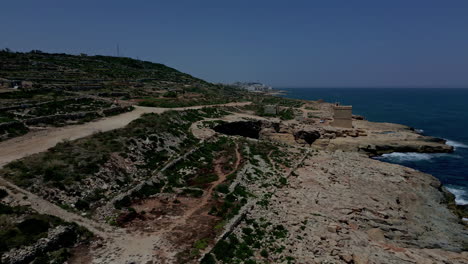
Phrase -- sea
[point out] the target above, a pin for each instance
(437, 112)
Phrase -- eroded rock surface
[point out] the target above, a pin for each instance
(345, 208)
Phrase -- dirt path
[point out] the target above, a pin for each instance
(156, 246)
(40, 141)
(44, 207)
(209, 193)
(119, 246)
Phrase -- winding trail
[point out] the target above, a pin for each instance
(45, 207)
(144, 248)
(133, 246)
(209, 193)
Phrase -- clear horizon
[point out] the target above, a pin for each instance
(337, 44)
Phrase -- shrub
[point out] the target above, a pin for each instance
(287, 114)
(82, 205)
(170, 94)
(5, 209)
(208, 259)
(3, 193)
(222, 188)
(126, 201)
(201, 244)
(33, 226)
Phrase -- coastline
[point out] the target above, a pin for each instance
(331, 201)
(398, 106)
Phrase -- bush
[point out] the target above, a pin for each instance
(124, 202)
(5, 209)
(208, 259)
(27, 232)
(287, 114)
(3, 193)
(82, 205)
(222, 188)
(201, 244)
(33, 226)
(204, 179)
(170, 94)
(192, 192)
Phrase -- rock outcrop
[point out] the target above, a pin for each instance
(346, 208)
(306, 136)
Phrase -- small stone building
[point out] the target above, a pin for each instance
(299, 115)
(271, 109)
(342, 116)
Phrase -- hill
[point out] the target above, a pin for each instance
(40, 89)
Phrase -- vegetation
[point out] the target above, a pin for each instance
(111, 76)
(257, 239)
(286, 105)
(67, 165)
(20, 226)
(44, 65)
(172, 103)
(197, 169)
(280, 101)
(286, 114)
(13, 129)
(3, 193)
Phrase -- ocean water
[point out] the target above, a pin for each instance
(435, 112)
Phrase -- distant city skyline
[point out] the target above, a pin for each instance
(336, 43)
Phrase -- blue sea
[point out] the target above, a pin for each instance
(435, 112)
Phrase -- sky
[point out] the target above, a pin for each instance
(332, 43)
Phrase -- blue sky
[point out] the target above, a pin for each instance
(359, 43)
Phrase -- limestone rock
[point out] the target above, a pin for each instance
(376, 234)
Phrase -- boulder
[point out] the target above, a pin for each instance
(306, 137)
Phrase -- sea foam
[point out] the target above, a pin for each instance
(456, 144)
(413, 156)
(461, 195)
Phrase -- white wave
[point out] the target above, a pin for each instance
(419, 131)
(461, 195)
(414, 156)
(456, 144)
(410, 156)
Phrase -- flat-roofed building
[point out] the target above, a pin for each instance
(342, 116)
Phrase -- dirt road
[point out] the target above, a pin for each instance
(39, 141)
(44, 207)
(134, 246)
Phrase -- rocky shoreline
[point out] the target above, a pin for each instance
(313, 187)
(342, 206)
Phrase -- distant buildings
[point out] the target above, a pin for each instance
(253, 86)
